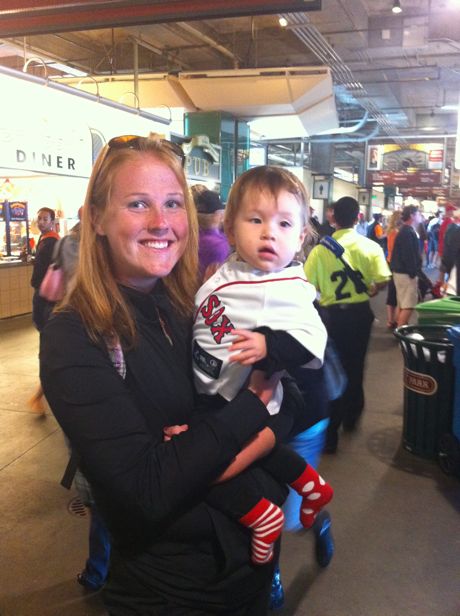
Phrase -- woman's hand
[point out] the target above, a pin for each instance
(248, 347)
(261, 386)
(170, 431)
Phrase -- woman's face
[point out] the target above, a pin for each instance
(145, 222)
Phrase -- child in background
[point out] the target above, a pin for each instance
(257, 311)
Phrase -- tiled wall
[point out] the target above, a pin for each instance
(15, 290)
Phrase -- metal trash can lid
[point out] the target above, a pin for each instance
(430, 336)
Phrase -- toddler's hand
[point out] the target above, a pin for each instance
(248, 347)
(170, 431)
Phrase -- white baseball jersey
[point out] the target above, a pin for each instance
(240, 297)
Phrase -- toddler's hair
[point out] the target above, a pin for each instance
(266, 178)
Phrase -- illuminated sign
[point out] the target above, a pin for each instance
(46, 148)
(407, 158)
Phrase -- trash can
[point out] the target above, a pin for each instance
(443, 311)
(449, 448)
(428, 387)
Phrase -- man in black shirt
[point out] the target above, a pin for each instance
(41, 308)
(406, 263)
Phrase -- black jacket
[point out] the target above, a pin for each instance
(151, 493)
(406, 258)
(451, 252)
(43, 259)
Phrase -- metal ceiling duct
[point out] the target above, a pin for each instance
(341, 73)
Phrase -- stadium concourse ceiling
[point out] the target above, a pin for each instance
(391, 74)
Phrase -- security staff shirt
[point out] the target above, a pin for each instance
(327, 272)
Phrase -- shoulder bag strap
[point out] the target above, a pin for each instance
(337, 250)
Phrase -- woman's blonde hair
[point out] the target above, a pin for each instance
(272, 179)
(395, 221)
(95, 294)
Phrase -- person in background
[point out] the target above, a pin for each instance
(361, 225)
(328, 226)
(172, 553)
(449, 270)
(41, 308)
(346, 311)
(375, 230)
(257, 310)
(432, 229)
(94, 574)
(213, 246)
(446, 222)
(313, 220)
(394, 225)
(422, 233)
(406, 263)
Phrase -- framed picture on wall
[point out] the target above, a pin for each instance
(321, 188)
(363, 196)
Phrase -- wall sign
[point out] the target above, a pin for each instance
(321, 188)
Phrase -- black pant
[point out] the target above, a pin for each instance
(349, 325)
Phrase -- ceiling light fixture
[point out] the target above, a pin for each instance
(396, 7)
(283, 22)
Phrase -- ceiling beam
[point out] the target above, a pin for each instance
(22, 17)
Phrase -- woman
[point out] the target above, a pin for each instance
(135, 283)
(392, 305)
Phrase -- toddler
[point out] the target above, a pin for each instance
(257, 311)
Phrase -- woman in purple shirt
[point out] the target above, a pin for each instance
(213, 247)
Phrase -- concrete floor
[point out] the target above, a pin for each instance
(395, 515)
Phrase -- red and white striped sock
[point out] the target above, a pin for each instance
(315, 494)
(266, 522)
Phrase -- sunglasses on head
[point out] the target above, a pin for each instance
(134, 142)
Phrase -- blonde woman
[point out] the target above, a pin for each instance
(172, 553)
(393, 227)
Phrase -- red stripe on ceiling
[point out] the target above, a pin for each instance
(19, 18)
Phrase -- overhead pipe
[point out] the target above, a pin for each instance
(316, 42)
(363, 138)
(211, 42)
(345, 130)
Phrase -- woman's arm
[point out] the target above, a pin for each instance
(123, 457)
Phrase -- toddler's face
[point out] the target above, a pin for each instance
(268, 232)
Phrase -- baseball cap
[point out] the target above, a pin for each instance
(449, 206)
(208, 202)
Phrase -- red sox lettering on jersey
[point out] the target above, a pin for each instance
(212, 311)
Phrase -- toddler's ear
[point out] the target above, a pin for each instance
(230, 234)
(302, 237)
